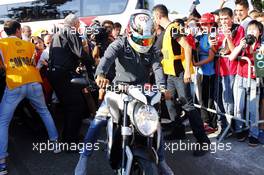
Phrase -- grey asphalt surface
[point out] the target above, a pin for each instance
(240, 160)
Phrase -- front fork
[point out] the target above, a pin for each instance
(127, 156)
(126, 132)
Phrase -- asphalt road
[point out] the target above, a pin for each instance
(231, 158)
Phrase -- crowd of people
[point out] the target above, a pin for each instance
(201, 54)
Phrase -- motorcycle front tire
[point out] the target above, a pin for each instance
(143, 167)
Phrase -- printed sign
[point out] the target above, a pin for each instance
(259, 64)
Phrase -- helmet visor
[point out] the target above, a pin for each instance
(143, 41)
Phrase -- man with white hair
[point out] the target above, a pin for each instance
(66, 53)
(26, 33)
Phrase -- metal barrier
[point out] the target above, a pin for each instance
(258, 94)
(248, 88)
(259, 69)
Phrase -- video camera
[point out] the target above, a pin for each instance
(98, 34)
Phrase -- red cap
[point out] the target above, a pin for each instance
(207, 18)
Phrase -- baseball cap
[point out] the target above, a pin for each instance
(207, 18)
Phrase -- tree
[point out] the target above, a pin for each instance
(258, 5)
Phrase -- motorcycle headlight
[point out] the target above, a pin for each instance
(146, 120)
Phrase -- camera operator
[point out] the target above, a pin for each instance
(66, 53)
(101, 38)
(116, 30)
(109, 27)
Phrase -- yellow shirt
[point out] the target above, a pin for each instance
(19, 62)
(168, 55)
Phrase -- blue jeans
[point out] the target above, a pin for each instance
(11, 98)
(218, 93)
(240, 85)
(93, 134)
(225, 96)
(228, 97)
(176, 85)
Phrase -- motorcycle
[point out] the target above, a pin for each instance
(134, 138)
(133, 129)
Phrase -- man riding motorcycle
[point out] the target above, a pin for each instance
(134, 57)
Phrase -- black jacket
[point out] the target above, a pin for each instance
(66, 51)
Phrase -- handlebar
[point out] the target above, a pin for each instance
(84, 79)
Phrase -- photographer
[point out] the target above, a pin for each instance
(101, 39)
(247, 47)
(116, 30)
(66, 53)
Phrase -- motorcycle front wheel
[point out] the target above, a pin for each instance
(143, 167)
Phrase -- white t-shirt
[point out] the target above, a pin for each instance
(245, 23)
(43, 56)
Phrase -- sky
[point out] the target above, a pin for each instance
(183, 6)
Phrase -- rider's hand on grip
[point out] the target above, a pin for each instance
(101, 81)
